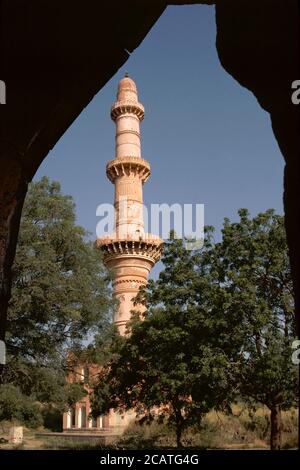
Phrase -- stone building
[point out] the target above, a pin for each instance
(129, 251)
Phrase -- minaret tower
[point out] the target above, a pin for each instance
(129, 251)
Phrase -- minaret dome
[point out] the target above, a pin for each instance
(127, 90)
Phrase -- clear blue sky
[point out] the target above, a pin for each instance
(205, 136)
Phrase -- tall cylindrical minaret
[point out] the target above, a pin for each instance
(129, 251)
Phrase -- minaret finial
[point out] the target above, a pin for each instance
(126, 74)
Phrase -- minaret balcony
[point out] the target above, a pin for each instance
(127, 107)
(149, 247)
(128, 166)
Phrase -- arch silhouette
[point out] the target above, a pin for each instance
(55, 56)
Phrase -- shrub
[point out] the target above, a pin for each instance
(14, 406)
(52, 418)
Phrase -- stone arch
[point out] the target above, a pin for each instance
(56, 77)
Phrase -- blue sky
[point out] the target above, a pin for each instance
(205, 136)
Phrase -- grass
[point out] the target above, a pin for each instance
(242, 429)
(59, 443)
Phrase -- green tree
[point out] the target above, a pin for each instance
(252, 266)
(60, 295)
(14, 406)
(219, 325)
(172, 365)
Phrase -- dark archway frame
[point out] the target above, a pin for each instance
(55, 56)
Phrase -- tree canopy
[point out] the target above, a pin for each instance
(172, 365)
(60, 295)
(252, 265)
(218, 326)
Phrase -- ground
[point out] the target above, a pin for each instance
(241, 430)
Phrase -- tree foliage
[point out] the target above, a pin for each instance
(60, 291)
(172, 365)
(15, 406)
(218, 326)
(60, 295)
(253, 267)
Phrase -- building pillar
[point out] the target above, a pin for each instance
(78, 416)
(65, 420)
(68, 415)
(106, 420)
